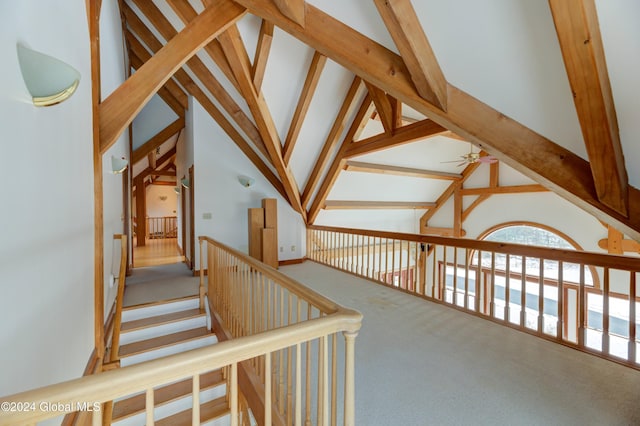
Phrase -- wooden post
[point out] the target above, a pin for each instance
(202, 265)
(256, 223)
(349, 378)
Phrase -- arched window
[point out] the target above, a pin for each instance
(517, 274)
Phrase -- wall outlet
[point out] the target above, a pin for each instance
(206, 216)
(293, 248)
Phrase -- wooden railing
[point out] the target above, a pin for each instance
(585, 300)
(275, 347)
(300, 382)
(162, 227)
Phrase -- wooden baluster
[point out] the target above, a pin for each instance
(434, 272)
(96, 419)
(298, 403)
(323, 385)
(507, 289)
(605, 312)
(334, 379)
(267, 388)
(307, 383)
(349, 378)
(379, 277)
(480, 295)
(523, 293)
(541, 298)
(233, 395)
(454, 296)
(401, 284)
(443, 278)
(582, 309)
(149, 406)
(281, 356)
(289, 364)
(560, 321)
(466, 278)
(493, 284)
(195, 408)
(631, 351)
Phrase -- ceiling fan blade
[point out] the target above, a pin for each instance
(462, 163)
(454, 161)
(488, 159)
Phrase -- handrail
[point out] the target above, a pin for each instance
(248, 297)
(109, 385)
(569, 256)
(117, 322)
(541, 291)
(267, 349)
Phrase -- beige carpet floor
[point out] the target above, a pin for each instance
(420, 363)
(156, 283)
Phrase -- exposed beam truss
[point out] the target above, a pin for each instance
(234, 49)
(578, 31)
(357, 166)
(376, 205)
(157, 140)
(183, 78)
(124, 103)
(262, 53)
(186, 12)
(550, 164)
(310, 84)
(407, 33)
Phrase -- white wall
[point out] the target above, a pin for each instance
(156, 206)
(46, 248)
(112, 74)
(218, 162)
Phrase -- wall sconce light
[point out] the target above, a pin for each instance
(185, 182)
(246, 181)
(49, 80)
(163, 198)
(118, 164)
(176, 190)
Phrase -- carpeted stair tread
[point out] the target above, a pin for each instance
(161, 319)
(208, 411)
(136, 404)
(163, 341)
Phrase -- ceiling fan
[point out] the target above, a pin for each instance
(473, 157)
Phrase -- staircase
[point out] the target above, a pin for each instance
(164, 328)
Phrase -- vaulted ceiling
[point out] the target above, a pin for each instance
(326, 98)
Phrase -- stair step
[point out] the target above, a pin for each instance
(208, 411)
(136, 404)
(136, 312)
(187, 322)
(161, 319)
(163, 341)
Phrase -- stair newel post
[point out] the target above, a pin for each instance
(233, 394)
(202, 291)
(349, 377)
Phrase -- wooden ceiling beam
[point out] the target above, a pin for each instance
(442, 199)
(157, 140)
(234, 49)
(262, 53)
(356, 166)
(166, 29)
(160, 161)
(310, 84)
(405, 134)
(376, 205)
(528, 152)
(346, 110)
(362, 116)
(384, 108)
(187, 13)
(292, 9)
(404, 26)
(124, 103)
(164, 92)
(515, 189)
(195, 91)
(576, 23)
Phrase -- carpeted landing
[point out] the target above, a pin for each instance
(420, 363)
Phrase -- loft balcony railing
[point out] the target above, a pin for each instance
(279, 351)
(588, 301)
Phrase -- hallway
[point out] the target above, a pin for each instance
(161, 251)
